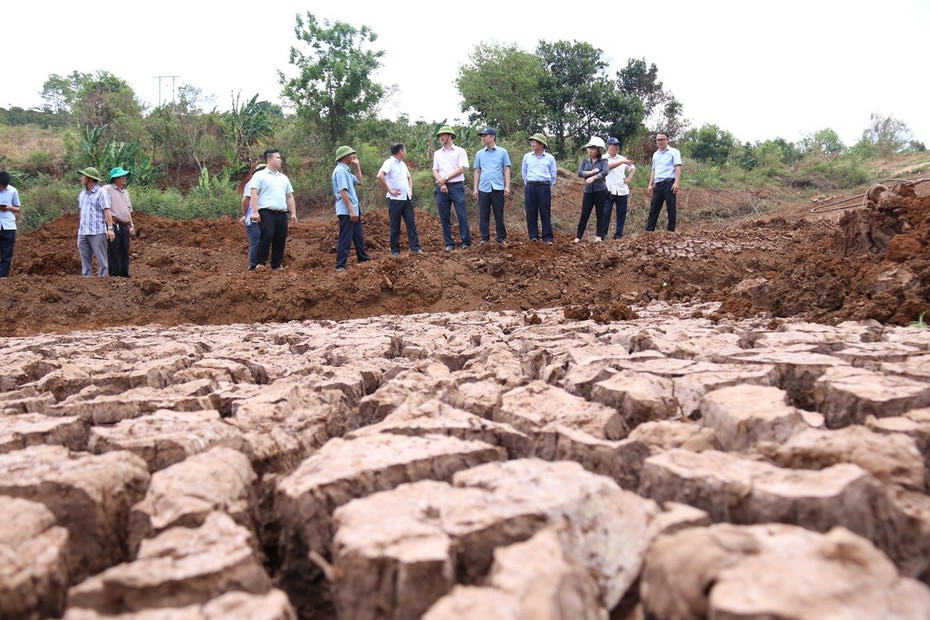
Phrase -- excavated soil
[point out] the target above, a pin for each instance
(871, 264)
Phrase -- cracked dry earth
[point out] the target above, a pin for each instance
(480, 465)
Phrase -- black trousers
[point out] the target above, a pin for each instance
(662, 192)
(621, 203)
(402, 210)
(7, 242)
(350, 233)
(274, 235)
(538, 203)
(486, 202)
(118, 251)
(592, 200)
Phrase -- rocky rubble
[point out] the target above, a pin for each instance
(475, 465)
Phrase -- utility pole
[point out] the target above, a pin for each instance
(165, 77)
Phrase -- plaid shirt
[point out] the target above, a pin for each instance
(92, 204)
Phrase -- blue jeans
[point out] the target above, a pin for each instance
(486, 202)
(403, 209)
(662, 192)
(350, 233)
(90, 246)
(455, 196)
(538, 198)
(253, 233)
(621, 202)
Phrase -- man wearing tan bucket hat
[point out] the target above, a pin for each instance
(449, 165)
(539, 173)
(96, 225)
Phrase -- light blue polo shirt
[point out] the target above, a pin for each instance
(8, 196)
(491, 162)
(343, 179)
(273, 188)
(664, 162)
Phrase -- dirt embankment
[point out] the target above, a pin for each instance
(874, 264)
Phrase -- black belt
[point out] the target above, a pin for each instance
(664, 181)
(454, 182)
(538, 183)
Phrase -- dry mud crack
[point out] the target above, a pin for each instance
(468, 465)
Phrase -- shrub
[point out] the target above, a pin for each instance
(45, 199)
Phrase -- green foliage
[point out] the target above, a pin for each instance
(104, 100)
(500, 88)
(824, 142)
(840, 173)
(16, 116)
(213, 197)
(45, 199)
(661, 110)
(889, 134)
(333, 87)
(709, 144)
(93, 151)
(579, 99)
(59, 92)
(247, 125)
(920, 323)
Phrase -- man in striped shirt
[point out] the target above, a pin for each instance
(96, 226)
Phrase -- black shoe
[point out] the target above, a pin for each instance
(465, 246)
(450, 248)
(417, 251)
(395, 254)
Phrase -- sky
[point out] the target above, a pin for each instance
(759, 70)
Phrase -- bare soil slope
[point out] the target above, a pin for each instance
(872, 263)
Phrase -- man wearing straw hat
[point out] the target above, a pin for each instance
(121, 213)
(539, 172)
(347, 207)
(449, 165)
(96, 225)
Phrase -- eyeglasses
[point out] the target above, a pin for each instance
(661, 139)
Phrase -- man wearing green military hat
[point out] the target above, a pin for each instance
(96, 225)
(347, 207)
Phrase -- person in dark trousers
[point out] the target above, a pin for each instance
(395, 178)
(347, 207)
(618, 187)
(123, 228)
(539, 174)
(9, 207)
(593, 169)
(272, 200)
(492, 185)
(663, 182)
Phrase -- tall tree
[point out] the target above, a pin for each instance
(333, 86)
(105, 100)
(500, 86)
(889, 134)
(663, 112)
(58, 92)
(578, 97)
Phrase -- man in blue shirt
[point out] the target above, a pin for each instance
(663, 182)
(492, 185)
(347, 208)
(539, 171)
(9, 207)
(272, 198)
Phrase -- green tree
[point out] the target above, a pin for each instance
(58, 92)
(662, 111)
(105, 100)
(246, 125)
(578, 97)
(710, 144)
(889, 134)
(500, 86)
(824, 142)
(333, 87)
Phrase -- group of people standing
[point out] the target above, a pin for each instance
(268, 206)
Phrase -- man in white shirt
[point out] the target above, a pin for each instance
(272, 199)
(618, 191)
(449, 165)
(395, 179)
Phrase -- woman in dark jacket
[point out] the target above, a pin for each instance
(594, 171)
